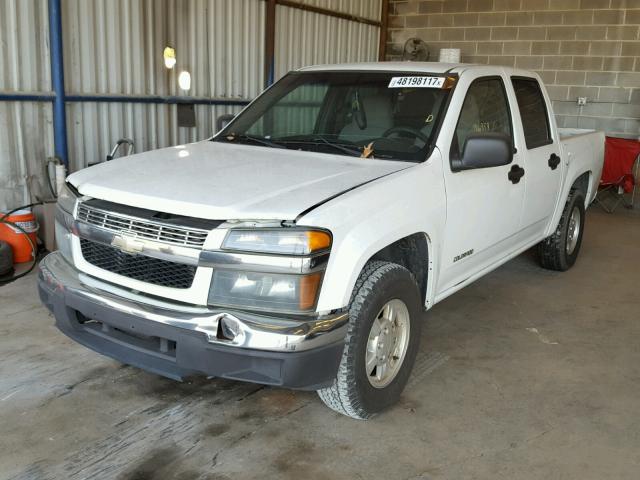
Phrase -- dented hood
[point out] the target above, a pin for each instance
(222, 181)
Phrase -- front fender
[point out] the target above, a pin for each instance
(371, 217)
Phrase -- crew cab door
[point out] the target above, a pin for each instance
(542, 155)
(483, 204)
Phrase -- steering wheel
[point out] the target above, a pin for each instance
(413, 131)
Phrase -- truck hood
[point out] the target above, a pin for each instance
(222, 181)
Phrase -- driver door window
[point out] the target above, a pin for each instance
(485, 110)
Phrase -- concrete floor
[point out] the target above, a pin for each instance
(525, 374)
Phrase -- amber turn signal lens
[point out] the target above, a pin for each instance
(317, 240)
(449, 82)
(309, 285)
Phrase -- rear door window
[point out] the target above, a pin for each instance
(533, 112)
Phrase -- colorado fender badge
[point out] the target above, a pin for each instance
(462, 255)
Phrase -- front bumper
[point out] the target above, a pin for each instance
(178, 341)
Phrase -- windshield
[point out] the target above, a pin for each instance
(384, 115)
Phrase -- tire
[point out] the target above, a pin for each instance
(6, 258)
(560, 251)
(379, 285)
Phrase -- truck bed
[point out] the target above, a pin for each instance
(566, 133)
(585, 148)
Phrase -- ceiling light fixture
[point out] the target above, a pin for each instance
(184, 80)
(169, 55)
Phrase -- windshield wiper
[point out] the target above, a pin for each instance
(323, 141)
(232, 137)
(344, 148)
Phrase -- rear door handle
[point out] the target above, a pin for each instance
(516, 173)
(554, 161)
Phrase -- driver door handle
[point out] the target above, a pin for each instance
(515, 174)
(554, 161)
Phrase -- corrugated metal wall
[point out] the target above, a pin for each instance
(369, 9)
(114, 47)
(25, 127)
(308, 38)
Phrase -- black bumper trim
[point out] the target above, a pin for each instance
(178, 353)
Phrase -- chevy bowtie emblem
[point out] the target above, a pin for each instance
(127, 244)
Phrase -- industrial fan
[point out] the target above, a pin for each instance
(415, 50)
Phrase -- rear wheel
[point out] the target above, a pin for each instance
(560, 250)
(381, 343)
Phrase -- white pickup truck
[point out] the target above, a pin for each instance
(300, 246)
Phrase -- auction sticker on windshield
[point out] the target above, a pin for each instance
(422, 82)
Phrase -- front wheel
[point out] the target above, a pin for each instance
(381, 344)
(560, 250)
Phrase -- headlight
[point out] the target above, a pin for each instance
(63, 241)
(64, 220)
(287, 278)
(265, 291)
(284, 241)
(64, 225)
(67, 198)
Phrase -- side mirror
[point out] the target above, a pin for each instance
(224, 120)
(484, 150)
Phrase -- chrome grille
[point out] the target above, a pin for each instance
(124, 224)
(138, 267)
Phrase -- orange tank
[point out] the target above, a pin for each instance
(22, 249)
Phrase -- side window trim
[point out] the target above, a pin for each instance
(550, 140)
(453, 154)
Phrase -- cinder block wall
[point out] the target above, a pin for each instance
(581, 48)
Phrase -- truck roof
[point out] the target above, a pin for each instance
(426, 67)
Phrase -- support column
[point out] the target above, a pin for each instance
(57, 81)
(269, 43)
(384, 27)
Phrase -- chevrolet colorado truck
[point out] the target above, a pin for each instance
(300, 246)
